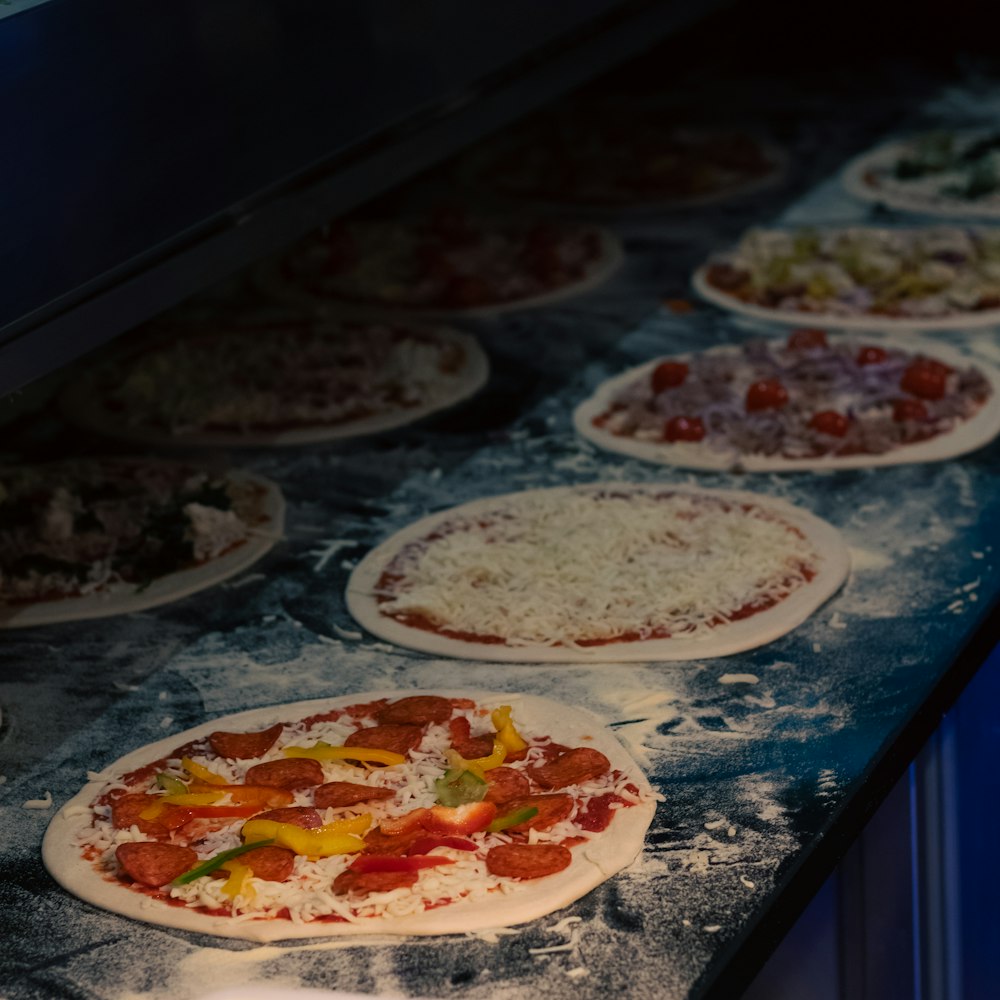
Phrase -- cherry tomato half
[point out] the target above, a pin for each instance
(684, 429)
(925, 380)
(830, 422)
(668, 375)
(908, 409)
(871, 356)
(806, 340)
(768, 394)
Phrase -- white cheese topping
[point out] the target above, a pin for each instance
(560, 569)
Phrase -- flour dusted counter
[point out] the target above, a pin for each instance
(768, 761)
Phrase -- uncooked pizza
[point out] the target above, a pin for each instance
(448, 264)
(89, 538)
(610, 571)
(954, 173)
(404, 813)
(859, 277)
(277, 383)
(809, 401)
(618, 157)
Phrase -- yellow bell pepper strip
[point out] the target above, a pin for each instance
(155, 811)
(458, 787)
(192, 799)
(506, 732)
(341, 837)
(170, 784)
(512, 819)
(209, 866)
(323, 751)
(264, 796)
(480, 764)
(202, 774)
(236, 885)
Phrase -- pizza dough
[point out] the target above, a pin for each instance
(612, 158)
(351, 380)
(860, 278)
(519, 901)
(264, 514)
(608, 571)
(966, 434)
(951, 174)
(388, 273)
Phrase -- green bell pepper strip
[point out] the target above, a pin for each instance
(209, 866)
(170, 784)
(459, 787)
(512, 819)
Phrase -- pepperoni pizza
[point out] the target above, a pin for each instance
(447, 265)
(422, 813)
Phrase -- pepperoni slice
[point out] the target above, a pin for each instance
(552, 809)
(505, 784)
(377, 842)
(398, 739)
(418, 710)
(155, 864)
(571, 768)
(245, 746)
(527, 860)
(463, 742)
(125, 812)
(296, 772)
(272, 864)
(362, 884)
(337, 794)
(304, 816)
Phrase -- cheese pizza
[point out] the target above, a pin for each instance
(610, 571)
(388, 812)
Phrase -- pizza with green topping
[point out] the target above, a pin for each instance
(401, 812)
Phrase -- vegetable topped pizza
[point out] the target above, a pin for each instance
(617, 571)
(619, 156)
(944, 172)
(795, 403)
(446, 263)
(90, 537)
(935, 276)
(277, 383)
(359, 818)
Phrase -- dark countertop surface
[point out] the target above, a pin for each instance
(767, 760)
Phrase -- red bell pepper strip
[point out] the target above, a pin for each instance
(385, 863)
(427, 844)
